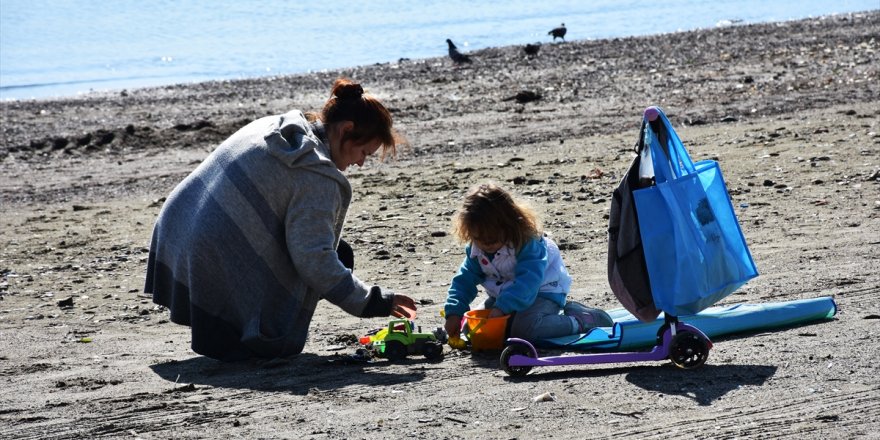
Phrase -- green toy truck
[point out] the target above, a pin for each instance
(399, 341)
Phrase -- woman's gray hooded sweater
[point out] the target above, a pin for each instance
(245, 247)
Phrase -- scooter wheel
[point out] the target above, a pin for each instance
(688, 350)
(511, 350)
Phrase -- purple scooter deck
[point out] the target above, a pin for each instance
(657, 353)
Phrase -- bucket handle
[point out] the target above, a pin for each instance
(471, 331)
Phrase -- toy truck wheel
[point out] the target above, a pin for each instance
(688, 350)
(511, 350)
(432, 350)
(395, 350)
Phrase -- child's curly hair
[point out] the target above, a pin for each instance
(490, 214)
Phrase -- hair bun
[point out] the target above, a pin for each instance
(349, 91)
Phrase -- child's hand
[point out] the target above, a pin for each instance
(496, 312)
(453, 326)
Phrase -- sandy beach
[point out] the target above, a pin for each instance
(790, 111)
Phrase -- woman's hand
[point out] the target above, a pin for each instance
(453, 326)
(403, 306)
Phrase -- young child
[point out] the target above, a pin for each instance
(520, 269)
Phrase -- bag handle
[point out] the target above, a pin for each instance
(640, 143)
(671, 160)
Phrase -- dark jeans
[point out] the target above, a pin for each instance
(346, 254)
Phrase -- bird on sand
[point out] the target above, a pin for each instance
(457, 57)
(532, 49)
(524, 96)
(558, 32)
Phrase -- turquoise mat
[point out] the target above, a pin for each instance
(629, 333)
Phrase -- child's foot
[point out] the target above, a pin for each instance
(588, 317)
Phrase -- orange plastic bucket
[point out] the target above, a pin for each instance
(483, 332)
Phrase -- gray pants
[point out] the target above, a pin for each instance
(545, 319)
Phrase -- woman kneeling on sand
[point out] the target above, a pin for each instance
(247, 244)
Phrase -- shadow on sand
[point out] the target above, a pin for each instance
(298, 374)
(704, 385)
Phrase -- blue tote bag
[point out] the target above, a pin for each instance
(694, 248)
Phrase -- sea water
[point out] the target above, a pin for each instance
(63, 48)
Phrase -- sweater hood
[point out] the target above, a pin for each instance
(294, 141)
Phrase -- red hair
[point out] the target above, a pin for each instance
(349, 102)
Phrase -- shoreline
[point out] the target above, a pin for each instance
(789, 111)
(155, 83)
(84, 122)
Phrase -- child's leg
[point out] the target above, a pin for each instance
(542, 320)
(587, 317)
